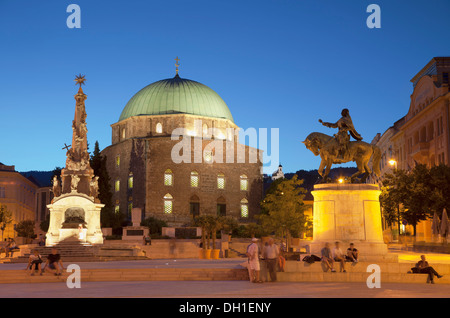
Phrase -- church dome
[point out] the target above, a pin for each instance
(176, 96)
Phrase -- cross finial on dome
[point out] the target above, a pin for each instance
(176, 65)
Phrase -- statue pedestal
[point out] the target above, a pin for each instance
(77, 206)
(348, 213)
(135, 231)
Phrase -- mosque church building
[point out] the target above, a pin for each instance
(212, 179)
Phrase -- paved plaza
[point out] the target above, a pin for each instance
(219, 289)
(223, 289)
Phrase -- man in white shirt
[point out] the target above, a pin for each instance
(270, 253)
(339, 256)
(253, 261)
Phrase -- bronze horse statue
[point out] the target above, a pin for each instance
(358, 151)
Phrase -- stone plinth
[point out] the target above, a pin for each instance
(87, 210)
(348, 213)
(135, 231)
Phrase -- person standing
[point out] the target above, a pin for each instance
(271, 253)
(253, 261)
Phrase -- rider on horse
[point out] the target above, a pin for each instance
(345, 126)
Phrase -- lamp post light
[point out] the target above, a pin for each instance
(393, 164)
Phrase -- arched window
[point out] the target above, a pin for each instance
(220, 181)
(194, 206)
(194, 179)
(159, 128)
(221, 206)
(168, 203)
(117, 185)
(168, 177)
(244, 183)
(117, 160)
(244, 208)
(123, 133)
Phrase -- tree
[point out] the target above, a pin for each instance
(5, 218)
(56, 172)
(285, 209)
(154, 225)
(411, 192)
(25, 228)
(440, 183)
(418, 203)
(45, 224)
(389, 206)
(108, 216)
(215, 223)
(202, 221)
(229, 224)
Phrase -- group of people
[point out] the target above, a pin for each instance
(9, 248)
(330, 256)
(52, 265)
(270, 254)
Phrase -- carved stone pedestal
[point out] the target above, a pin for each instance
(68, 212)
(348, 213)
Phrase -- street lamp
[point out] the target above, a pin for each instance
(393, 163)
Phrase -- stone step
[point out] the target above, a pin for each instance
(361, 267)
(357, 277)
(15, 276)
(80, 258)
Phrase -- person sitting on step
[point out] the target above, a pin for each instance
(54, 263)
(422, 266)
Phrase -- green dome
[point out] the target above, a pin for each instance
(176, 96)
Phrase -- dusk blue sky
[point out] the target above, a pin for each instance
(276, 63)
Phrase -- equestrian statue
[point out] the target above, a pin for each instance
(339, 149)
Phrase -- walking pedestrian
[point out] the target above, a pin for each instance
(270, 254)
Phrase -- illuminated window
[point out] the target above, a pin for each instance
(117, 209)
(118, 161)
(159, 128)
(220, 181)
(244, 183)
(244, 208)
(123, 133)
(117, 185)
(168, 203)
(168, 177)
(130, 207)
(130, 181)
(205, 130)
(194, 179)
